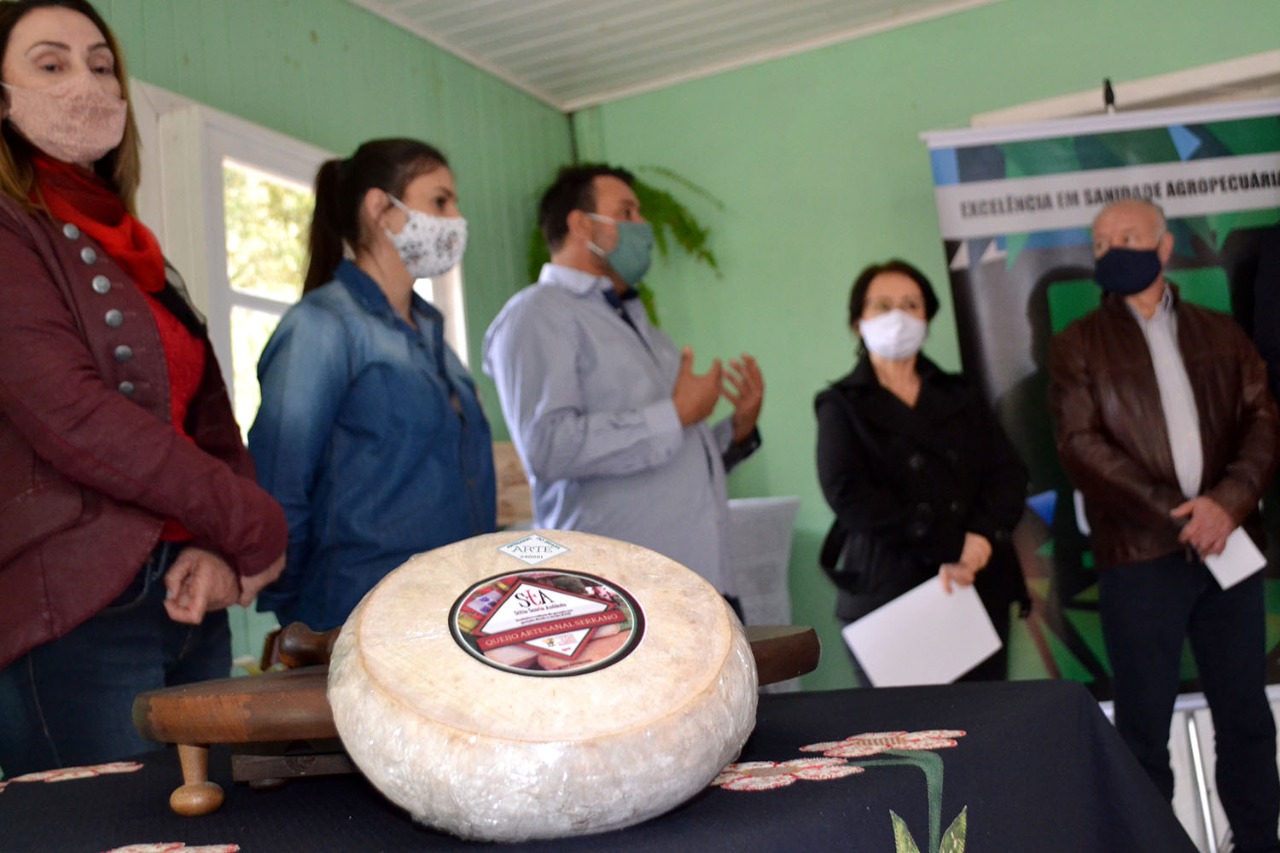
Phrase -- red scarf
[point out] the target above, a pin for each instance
(82, 198)
(75, 195)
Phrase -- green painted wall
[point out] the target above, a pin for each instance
(815, 156)
(331, 74)
(817, 160)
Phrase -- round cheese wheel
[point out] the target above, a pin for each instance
(541, 684)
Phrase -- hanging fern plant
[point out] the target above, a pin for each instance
(671, 221)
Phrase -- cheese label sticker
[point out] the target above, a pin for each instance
(533, 549)
(547, 623)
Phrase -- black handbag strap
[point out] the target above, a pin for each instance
(832, 546)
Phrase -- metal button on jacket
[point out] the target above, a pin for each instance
(114, 318)
(88, 255)
(123, 353)
(71, 231)
(126, 388)
(101, 285)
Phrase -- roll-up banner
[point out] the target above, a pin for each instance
(1015, 206)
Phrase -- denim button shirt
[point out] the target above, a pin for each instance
(372, 437)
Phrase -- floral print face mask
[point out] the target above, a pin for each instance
(429, 245)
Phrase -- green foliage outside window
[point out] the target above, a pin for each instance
(266, 225)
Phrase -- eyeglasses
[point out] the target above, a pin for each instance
(909, 304)
(1128, 240)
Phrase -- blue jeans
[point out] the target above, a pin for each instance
(70, 701)
(1148, 609)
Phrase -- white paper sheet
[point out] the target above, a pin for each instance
(1237, 561)
(924, 636)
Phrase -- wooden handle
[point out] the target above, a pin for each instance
(297, 645)
(783, 651)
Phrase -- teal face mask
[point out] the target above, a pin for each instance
(630, 258)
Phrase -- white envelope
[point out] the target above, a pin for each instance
(924, 636)
(1237, 561)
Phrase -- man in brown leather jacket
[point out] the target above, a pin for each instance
(1166, 426)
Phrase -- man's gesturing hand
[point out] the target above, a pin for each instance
(695, 396)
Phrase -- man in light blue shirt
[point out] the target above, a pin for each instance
(608, 416)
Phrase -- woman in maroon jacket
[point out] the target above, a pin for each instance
(129, 516)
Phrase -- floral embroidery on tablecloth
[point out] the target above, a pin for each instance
(66, 774)
(169, 847)
(874, 743)
(869, 749)
(766, 775)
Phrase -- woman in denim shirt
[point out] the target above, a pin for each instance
(370, 432)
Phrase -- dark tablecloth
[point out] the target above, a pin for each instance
(1038, 768)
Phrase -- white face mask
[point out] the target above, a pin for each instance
(75, 120)
(429, 245)
(894, 335)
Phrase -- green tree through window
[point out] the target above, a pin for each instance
(266, 223)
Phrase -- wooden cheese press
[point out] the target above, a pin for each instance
(280, 726)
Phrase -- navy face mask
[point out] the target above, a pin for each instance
(1127, 271)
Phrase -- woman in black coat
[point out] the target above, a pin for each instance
(921, 478)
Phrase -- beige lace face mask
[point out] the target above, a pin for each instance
(75, 120)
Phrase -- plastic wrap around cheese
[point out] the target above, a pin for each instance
(541, 684)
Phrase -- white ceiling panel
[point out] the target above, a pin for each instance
(578, 53)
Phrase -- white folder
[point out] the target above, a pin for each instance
(924, 636)
(1240, 559)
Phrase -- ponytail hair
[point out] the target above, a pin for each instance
(386, 164)
(326, 237)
